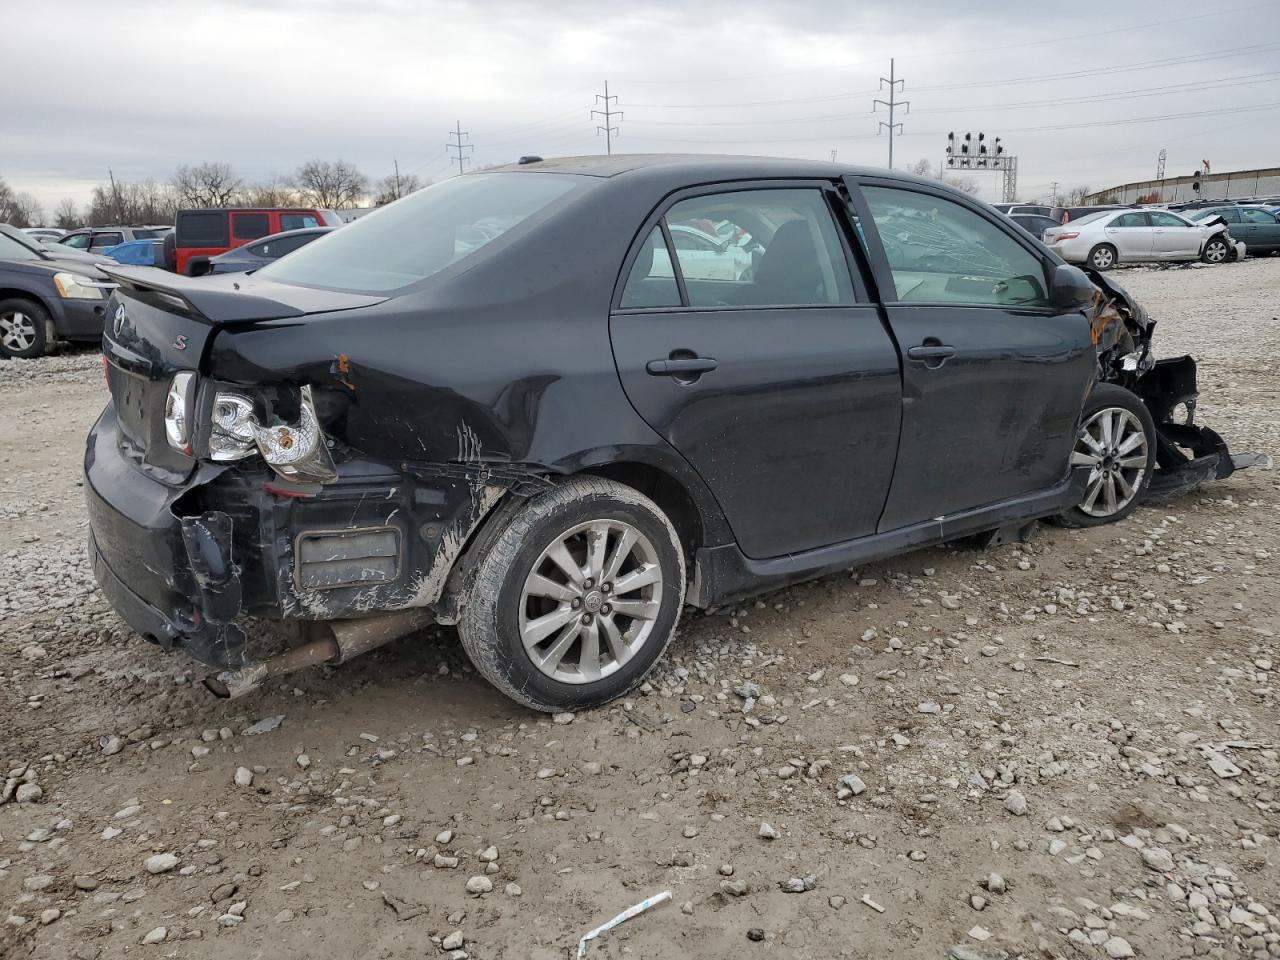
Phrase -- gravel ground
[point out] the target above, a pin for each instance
(1065, 748)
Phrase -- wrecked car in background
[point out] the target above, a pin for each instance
(556, 435)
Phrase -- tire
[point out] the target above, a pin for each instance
(1102, 257)
(26, 330)
(1111, 417)
(1215, 251)
(506, 601)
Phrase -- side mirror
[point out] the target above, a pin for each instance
(1071, 289)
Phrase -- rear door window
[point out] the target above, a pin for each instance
(101, 240)
(1257, 216)
(250, 226)
(203, 229)
(1129, 220)
(760, 248)
(76, 241)
(652, 281)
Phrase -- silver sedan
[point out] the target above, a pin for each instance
(1101, 240)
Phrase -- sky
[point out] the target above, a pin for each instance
(1082, 93)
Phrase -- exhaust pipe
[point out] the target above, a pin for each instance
(333, 642)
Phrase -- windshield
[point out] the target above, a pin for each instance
(422, 233)
(11, 249)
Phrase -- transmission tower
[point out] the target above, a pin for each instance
(892, 103)
(457, 143)
(1160, 164)
(609, 130)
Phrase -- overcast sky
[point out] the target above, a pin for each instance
(141, 86)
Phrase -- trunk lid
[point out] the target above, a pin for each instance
(159, 325)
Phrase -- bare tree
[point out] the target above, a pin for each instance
(144, 202)
(923, 168)
(19, 209)
(276, 192)
(394, 186)
(1073, 197)
(206, 185)
(66, 215)
(331, 185)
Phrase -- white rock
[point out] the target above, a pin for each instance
(767, 832)
(1158, 859)
(160, 863)
(479, 884)
(243, 777)
(155, 935)
(1016, 803)
(1118, 948)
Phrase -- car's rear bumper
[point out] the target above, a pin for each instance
(183, 563)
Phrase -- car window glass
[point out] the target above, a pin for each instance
(425, 232)
(203, 229)
(1256, 216)
(77, 241)
(106, 239)
(1161, 219)
(147, 234)
(652, 281)
(250, 226)
(278, 248)
(1087, 218)
(11, 249)
(1129, 220)
(760, 248)
(296, 221)
(942, 252)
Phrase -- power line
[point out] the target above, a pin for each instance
(892, 103)
(608, 113)
(461, 146)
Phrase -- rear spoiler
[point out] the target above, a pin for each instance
(211, 302)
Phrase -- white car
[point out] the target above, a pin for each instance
(1101, 240)
(705, 256)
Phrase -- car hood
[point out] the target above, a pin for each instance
(49, 267)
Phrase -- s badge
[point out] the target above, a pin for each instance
(180, 342)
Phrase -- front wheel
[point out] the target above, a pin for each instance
(576, 598)
(1102, 257)
(1117, 442)
(25, 328)
(1215, 251)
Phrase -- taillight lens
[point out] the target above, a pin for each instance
(1062, 236)
(295, 451)
(178, 404)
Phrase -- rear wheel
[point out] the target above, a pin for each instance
(1117, 442)
(1215, 251)
(25, 328)
(577, 597)
(1102, 257)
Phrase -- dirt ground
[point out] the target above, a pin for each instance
(1068, 748)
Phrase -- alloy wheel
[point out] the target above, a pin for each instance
(1103, 258)
(1216, 251)
(1113, 445)
(17, 331)
(590, 601)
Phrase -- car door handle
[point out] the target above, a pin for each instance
(931, 351)
(680, 366)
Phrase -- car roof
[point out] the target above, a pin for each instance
(697, 166)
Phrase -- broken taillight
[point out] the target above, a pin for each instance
(1065, 236)
(295, 451)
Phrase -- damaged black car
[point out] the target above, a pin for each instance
(552, 403)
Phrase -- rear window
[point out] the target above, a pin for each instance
(147, 233)
(203, 229)
(296, 221)
(250, 226)
(423, 233)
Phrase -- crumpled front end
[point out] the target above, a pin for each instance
(1187, 454)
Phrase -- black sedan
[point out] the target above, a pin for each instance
(251, 256)
(517, 402)
(44, 299)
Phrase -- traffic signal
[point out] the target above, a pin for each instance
(1195, 181)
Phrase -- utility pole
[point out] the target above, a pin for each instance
(396, 163)
(1160, 164)
(608, 113)
(1053, 197)
(892, 103)
(833, 156)
(464, 149)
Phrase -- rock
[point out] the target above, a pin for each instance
(849, 679)
(155, 935)
(39, 883)
(243, 777)
(28, 793)
(755, 934)
(489, 854)
(1118, 948)
(767, 832)
(734, 888)
(852, 783)
(48, 916)
(981, 934)
(444, 837)
(1016, 803)
(443, 862)
(1158, 859)
(479, 885)
(454, 940)
(558, 718)
(512, 890)
(263, 726)
(111, 745)
(85, 882)
(836, 902)
(303, 761)
(160, 863)
(996, 884)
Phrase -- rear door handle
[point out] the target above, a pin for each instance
(935, 351)
(680, 367)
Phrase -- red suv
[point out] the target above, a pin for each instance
(201, 234)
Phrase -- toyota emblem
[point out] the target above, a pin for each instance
(117, 323)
